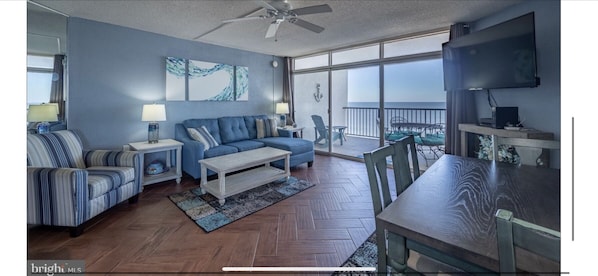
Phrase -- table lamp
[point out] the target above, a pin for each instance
(153, 113)
(43, 113)
(282, 109)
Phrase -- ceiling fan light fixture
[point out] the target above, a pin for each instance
(281, 11)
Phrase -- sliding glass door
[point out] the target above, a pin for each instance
(311, 107)
(415, 103)
(355, 102)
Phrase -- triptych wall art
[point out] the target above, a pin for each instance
(206, 81)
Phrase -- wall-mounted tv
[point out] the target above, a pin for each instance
(500, 56)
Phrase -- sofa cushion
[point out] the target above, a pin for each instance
(250, 123)
(104, 179)
(260, 128)
(232, 129)
(210, 124)
(294, 145)
(202, 135)
(246, 145)
(272, 124)
(219, 150)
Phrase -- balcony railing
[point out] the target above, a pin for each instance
(364, 121)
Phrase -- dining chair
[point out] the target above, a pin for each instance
(512, 232)
(376, 163)
(534, 152)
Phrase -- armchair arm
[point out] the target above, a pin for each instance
(57, 196)
(193, 151)
(113, 158)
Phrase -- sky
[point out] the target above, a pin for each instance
(416, 81)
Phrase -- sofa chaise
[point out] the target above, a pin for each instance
(235, 134)
(67, 186)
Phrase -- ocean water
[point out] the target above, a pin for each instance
(441, 105)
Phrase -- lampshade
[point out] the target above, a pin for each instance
(54, 104)
(153, 113)
(282, 108)
(43, 113)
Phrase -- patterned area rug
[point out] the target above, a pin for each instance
(206, 212)
(366, 255)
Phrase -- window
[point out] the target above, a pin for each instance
(356, 54)
(311, 62)
(351, 83)
(39, 79)
(418, 45)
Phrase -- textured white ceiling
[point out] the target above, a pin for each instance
(350, 22)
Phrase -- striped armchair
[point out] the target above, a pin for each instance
(67, 186)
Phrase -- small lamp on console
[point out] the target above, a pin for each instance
(282, 109)
(43, 113)
(153, 113)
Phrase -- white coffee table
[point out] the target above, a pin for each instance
(226, 186)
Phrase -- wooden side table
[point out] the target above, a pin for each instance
(165, 145)
(293, 130)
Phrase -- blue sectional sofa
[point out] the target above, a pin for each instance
(235, 134)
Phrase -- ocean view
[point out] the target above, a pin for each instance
(423, 105)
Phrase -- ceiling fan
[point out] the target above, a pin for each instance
(281, 11)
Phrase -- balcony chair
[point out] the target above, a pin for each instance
(398, 131)
(533, 152)
(396, 255)
(67, 186)
(322, 132)
(512, 232)
(432, 141)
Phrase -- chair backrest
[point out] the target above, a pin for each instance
(532, 152)
(512, 232)
(58, 149)
(320, 126)
(376, 165)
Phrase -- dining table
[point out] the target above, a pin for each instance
(448, 213)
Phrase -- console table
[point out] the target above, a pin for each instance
(524, 133)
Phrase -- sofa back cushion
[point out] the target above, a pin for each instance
(59, 149)
(251, 126)
(210, 124)
(266, 128)
(232, 129)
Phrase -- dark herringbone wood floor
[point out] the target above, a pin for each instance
(321, 226)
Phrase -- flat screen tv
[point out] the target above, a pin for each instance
(500, 56)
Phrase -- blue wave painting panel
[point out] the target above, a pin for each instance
(242, 89)
(175, 79)
(211, 81)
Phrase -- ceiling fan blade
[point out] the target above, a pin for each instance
(311, 10)
(272, 29)
(266, 5)
(310, 26)
(243, 19)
